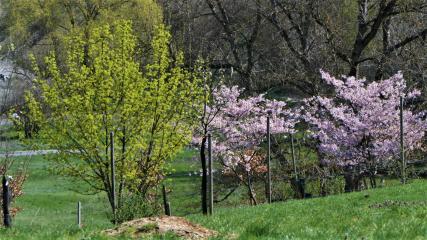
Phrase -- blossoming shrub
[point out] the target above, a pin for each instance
(358, 128)
(240, 127)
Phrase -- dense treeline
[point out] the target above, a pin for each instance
(261, 44)
(283, 43)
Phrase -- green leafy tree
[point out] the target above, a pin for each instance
(42, 25)
(105, 88)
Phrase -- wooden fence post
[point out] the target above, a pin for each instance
(79, 214)
(210, 174)
(113, 177)
(7, 220)
(169, 208)
(166, 203)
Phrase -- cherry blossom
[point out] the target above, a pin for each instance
(359, 125)
(239, 127)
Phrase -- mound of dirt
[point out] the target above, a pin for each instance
(161, 225)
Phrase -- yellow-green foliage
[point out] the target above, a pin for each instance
(29, 16)
(42, 25)
(103, 87)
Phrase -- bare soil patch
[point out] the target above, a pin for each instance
(161, 225)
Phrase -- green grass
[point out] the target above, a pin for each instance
(183, 183)
(10, 140)
(49, 202)
(49, 210)
(346, 216)
(49, 206)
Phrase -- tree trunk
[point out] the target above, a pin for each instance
(298, 187)
(204, 188)
(323, 185)
(353, 70)
(386, 44)
(373, 181)
(352, 180)
(251, 193)
(365, 184)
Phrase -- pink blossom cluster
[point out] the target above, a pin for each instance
(360, 124)
(240, 126)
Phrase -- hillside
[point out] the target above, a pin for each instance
(397, 212)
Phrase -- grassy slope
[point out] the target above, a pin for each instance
(335, 217)
(49, 211)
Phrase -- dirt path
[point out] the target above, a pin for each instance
(28, 153)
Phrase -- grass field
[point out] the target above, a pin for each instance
(49, 201)
(49, 206)
(9, 140)
(396, 212)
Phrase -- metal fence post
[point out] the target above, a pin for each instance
(402, 147)
(113, 177)
(294, 162)
(210, 174)
(268, 159)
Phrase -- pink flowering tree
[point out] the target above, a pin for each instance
(211, 109)
(358, 128)
(239, 127)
